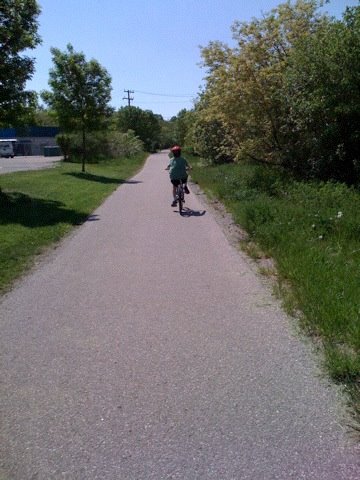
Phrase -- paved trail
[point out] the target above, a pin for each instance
(146, 348)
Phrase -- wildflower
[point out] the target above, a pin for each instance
(340, 214)
(321, 237)
(313, 225)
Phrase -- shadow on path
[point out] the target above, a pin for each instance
(32, 212)
(93, 218)
(187, 212)
(100, 178)
(22, 209)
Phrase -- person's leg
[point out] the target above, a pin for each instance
(174, 193)
(185, 185)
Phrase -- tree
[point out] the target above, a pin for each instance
(211, 141)
(43, 117)
(81, 91)
(167, 136)
(244, 90)
(18, 32)
(144, 123)
(323, 87)
(183, 123)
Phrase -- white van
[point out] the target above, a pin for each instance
(6, 149)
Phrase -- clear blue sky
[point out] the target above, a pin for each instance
(148, 46)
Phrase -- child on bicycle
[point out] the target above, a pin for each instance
(178, 168)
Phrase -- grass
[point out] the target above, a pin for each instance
(312, 231)
(37, 208)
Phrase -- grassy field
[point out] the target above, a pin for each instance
(37, 208)
(312, 231)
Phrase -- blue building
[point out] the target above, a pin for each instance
(30, 140)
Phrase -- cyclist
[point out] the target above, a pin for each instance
(178, 167)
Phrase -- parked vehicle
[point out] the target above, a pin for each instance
(6, 149)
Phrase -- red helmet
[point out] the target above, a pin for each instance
(176, 148)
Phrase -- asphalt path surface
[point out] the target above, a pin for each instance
(21, 163)
(146, 347)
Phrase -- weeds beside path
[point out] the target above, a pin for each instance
(312, 233)
(37, 208)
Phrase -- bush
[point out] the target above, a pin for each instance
(100, 145)
(72, 146)
(123, 144)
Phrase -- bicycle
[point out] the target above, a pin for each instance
(180, 196)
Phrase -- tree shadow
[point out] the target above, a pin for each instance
(22, 209)
(99, 178)
(187, 212)
(93, 218)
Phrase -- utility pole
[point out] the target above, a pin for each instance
(128, 98)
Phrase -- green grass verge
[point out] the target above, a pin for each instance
(37, 208)
(312, 231)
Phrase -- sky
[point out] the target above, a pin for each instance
(151, 47)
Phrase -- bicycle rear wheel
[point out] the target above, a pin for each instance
(180, 199)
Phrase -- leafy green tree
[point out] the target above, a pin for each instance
(210, 141)
(244, 90)
(181, 126)
(323, 88)
(167, 135)
(144, 123)
(287, 94)
(178, 130)
(44, 117)
(18, 32)
(80, 93)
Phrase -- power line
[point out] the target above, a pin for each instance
(184, 101)
(165, 94)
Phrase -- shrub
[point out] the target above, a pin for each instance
(100, 145)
